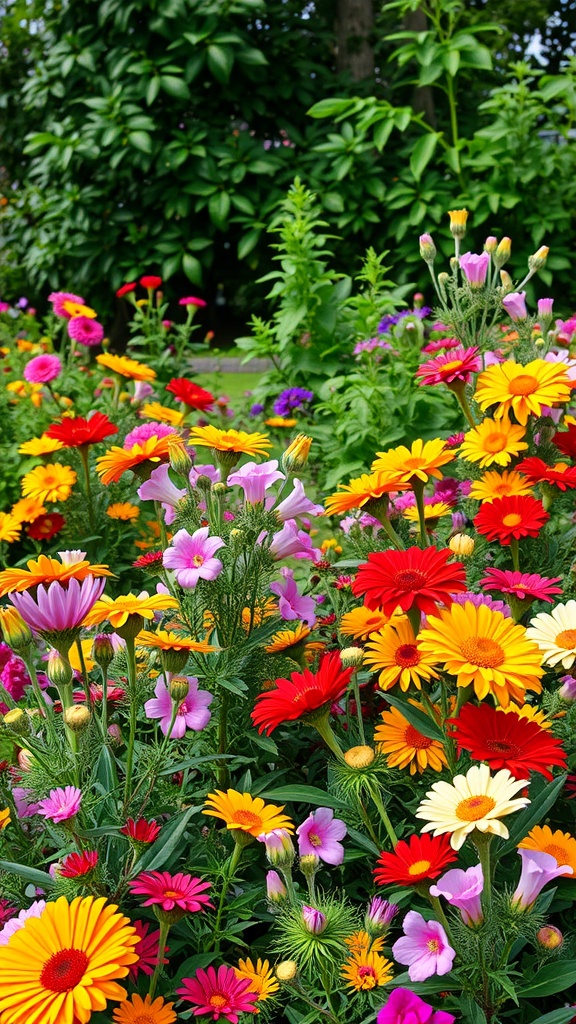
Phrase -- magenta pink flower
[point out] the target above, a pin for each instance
(191, 557)
(545, 307)
(58, 298)
(515, 305)
(192, 711)
(297, 504)
(61, 803)
(456, 365)
(537, 870)
(147, 949)
(275, 888)
(462, 889)
(170, 891)
(58, 606)
(292, 541)
(441, 343)
(380, 915)
(320, 834)
(523, 585)
(144, 431)
(42, 369)
(424, 947)
(291, 604)
(405, 1007)
(255, 479)
(314, 920)
(475, 268)
(86, 331)
(191, 300)
(207, 469)
(219, 994)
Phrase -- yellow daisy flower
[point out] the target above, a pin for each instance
(395, 651)
(10, 528)
(366, 971)
(49, 483)
(484, 649)
(126, 367)
(42, 445)
(247, 813)
(237, 441)
(4, 818)
(260, 975)
(405, 746)
(360, 942)
(523, 389)
(555, 634)
(361, 622)
(476, 800)
(284, 639)
(527, 711)
(164, 640)
(493, 441)
(78, 309)
(436, 510)
(116, 610)
(162, 414)
(44, 569)
(280, 421)
(26, 510)
(560, 845)
(361, 490)
(419, 462)
(252, 617)
(499, 485)
(123, 510)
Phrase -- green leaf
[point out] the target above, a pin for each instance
(39, 878)
(153, 89)
(248, 242)
(192, 268)
(175, 87)
(333, 201)
(220, 60)
(141, 141)
(422, 154)
(419, 719)
(382, 133)
(329, 108)
(531, 815)
(549, 980)
(448, 982)
(305, 795)
(169, 841)
(219, 208)
(562, 1016)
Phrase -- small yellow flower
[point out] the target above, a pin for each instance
(361, 622)
(296, 455)
(78, 309)
(10, 528)
(436, 510)
(49, 483)
(331, 544)
(499, 485)
(247, 813)
(362, 490)
(280, 421)
(237, 441)
(417, 463)
(4, 818)
(523, 390)
(493, 441)
(124, 511)
(26, 510)
(126, 367)
(117, 610)
(42, 445)
(366, 971)
(260, 976)
(458, 220)
(162, 414)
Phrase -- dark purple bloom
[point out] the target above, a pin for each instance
(292, 398)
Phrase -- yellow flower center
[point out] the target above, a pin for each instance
(197, 561)
(415, 462)
(433, 945)
(524, 384)
(415, 739)
(217, 1001)
(474, 807)
(407, 655)
(482, 651)
(247, 819)
(409, 579)
(557, 852)
(448, 367)
(419, 867)
(503, 489)
(512, 519)
(314, 839)
(566, 639)
(495, 442)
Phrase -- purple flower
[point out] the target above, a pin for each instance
(23, 807)
(292, 398)
(463, 889)
(405, 1007)
(537, 870)
(191, 557)
(16, 923)
(380, 915)
(515, 305)
(279, 847)
(292, 604)
(255, 479)
(478, 599)
(257, 409)
(58, 607)
(61, 803)
(475, 268)
(320, 835)
(275, 888)
(297, 504)
(192, 710)
(314, 920)
(142, 390)
(567, 691)
(545, 307)
(159, 487)
(292, 541)
(424, 947)
(144, 431)
(208, 470)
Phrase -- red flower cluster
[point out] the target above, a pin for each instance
(190, 394)
(537, 472)
(413, 861)
(510, 518)
(75, 431)
(304, 692)
(507, 741)
(419, 577)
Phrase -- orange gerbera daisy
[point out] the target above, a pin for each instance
(419, 462)
(247, 813)
(395, 652)
(499, 485)
(164, 640)
(361, 622)
(523, 389)
(162, 413)
(558, 844)
(144, 1011)
(10, 528)
(26, 510)
(363, 489)
(72, 565)
(116, 461)
(406, 746)
(124, 511)
(43, 445)
(49, 483)
(126, 367)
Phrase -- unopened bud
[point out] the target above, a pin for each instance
(103, 650)
(180, 460)
(491, 244)
(428, 250)
(538, 259)
(129, 630)
(115, 734)
(179, 688)
(550, 937)
(219, 488)
(16, 633)
(352, 657)
(286, 971)
(314, 920)
(309, 864)
(506, 281)
(545, 310)
(418, 300)
(503, 252)
(359, 757)
(17, 721)
(204, 483)
(77, 718)
(443, 279)
(235, 534)
(296, 455)
(458, 220)
(58, 670)
(174, 661)
(461, 544)
(275, 888)
(279, 847)
(379, 916)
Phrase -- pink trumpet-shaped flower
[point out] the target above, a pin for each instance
(255, 479)
(292, 605)
(297, 504)
(275, 888)
(159, 487)
(405, 1007)
(58, 607)
(424, 947)
(537, 870)
(463, 889)
(191, 557)
(192, 711)
(292, 541)
(515, 305)
(475, 268)
(320, 835)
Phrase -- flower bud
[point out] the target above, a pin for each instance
(418, 300)
(103, 650)
(219, 488)
(352, 657)
(461, 544)
(296, 455)
(359, 757)
(58, 670)
(115, 734)
(549, 937)
(180, 460)
(286, 970)
(506, 281)
(538, 259)
(279, 847)
(77, 718)
(129, 630)
(204, 483)
(443, 279)
(17, 721)
(428, 250)
(545, 309)
(491, 244)
(275, 888)
(309, 864)
(26, 760)
(16, 633)
(503, 252)
(315, 921)
(458, 220)
(379, 916)
(568, 689)
(515, 305)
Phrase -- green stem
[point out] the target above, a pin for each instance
(356, 689)
(223, 739)
(441, 916)
(229, 872)
(323, 727)
(84, 673)
(384, 815)
(418, 490)
(515, 553)
(164, 929)
(84, 456)
(482, 843)
(460, 391)
(162, 525)
(104, 716)
(131, 663)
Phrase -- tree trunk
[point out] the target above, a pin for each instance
(354, 27)
(423, 97)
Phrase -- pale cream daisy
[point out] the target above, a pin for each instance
(475, 800)
(555, 634)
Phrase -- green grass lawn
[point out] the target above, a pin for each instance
(232, 384)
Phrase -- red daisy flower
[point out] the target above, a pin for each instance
(415, 577)
(523, 585)
(510, 518)
(150, 281)
(451, 367)
(507, 741)
(413, 861)
(304, 692)
(75, 865)
(537, 471)
(565, 441)
(114, 694)
(151, 560)
(75, 431)
(171, 892)
(190, 394)
(219, 994)
(141, 831)
(46, 526)
(125, 289)
(147, 950)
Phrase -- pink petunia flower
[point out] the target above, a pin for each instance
(292, 605)
(192, 557)
(527, 586)
(405, 1007)
(61, 804)
(515, 305)
(59, 298)
(220, 994)
(147, 949)
(191, 300)
(159, 487)
(42, 369)
(291, 541)
(424, 947)
(537, 870)
(475, 268)
(320, 835)
(171, 891)
(192, 710)
(207, 469)
(58, 607)
(86, 331)
(297, 504)
(16, 923)
(255, 479)
(462, 889)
